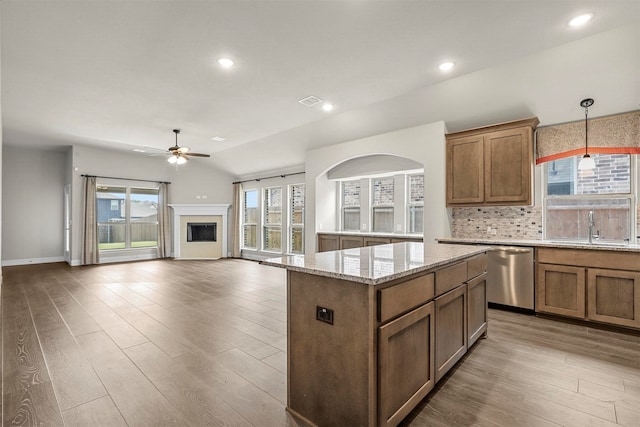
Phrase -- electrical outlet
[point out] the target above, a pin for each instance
(364, 227)
(197, 197)
(493, 231)
(324, 314)
(488, 230)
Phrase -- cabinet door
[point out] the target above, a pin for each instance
(405, 364)
(508, 166)
(560, 290)
(451, 329)
(477, 308)
(614, 296)
(372, 241)
(348, 242)
(328, 242)
(465, 171)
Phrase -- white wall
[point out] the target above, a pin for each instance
(32, 193)
(190, 183)
(425, 144)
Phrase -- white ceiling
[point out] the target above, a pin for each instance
(124, 74)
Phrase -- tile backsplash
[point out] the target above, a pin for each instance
(498, 222)
(504, 222)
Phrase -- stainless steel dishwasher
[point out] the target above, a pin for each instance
(510, 277)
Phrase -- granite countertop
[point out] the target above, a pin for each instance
(632, 247)
(374, 265)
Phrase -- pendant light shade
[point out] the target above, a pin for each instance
(587, 162)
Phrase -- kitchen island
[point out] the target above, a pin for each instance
(371, 330)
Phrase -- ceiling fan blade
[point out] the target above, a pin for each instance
(198, 155)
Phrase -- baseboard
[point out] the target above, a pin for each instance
(11, 262)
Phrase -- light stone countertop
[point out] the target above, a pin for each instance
(632, 247)
(374, 265)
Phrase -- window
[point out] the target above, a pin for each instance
(249, 219)
(296, 218)
(351, 205)
(415, 203)
(127, 217)
(383, 204)
(606, 191)
(272, 219)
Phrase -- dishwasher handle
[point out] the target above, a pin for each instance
(510, 250)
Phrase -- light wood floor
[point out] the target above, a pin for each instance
(203, 343)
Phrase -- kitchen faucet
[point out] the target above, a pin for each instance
(592, 223)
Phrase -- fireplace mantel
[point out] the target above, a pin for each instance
(180, 210)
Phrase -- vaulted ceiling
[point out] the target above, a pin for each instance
(124, 74)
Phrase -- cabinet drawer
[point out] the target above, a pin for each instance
(476, 265)
(450, 277)
(401, 298)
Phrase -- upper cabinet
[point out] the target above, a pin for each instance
(491, 165)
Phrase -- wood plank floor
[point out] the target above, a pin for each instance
(203, 343)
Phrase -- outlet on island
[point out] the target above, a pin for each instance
(324, 314)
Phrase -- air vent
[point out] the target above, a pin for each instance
(310, 100)
(217, 139)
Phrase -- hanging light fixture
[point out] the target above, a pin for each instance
(587, 162)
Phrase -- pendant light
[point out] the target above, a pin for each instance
(587, 162)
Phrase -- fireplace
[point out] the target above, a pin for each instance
(199, 231)
(202, 231)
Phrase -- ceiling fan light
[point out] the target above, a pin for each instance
(586, 163)
(181, 160)
(172, 160)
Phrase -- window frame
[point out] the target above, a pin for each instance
(293, 225)
(373, 204)
(265, 225)
(410, 204)
(128, 223)
(244, 216)
(344, 208)
(631, 196)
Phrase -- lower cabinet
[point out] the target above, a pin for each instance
(405, 363)
(560, 289)
(476, 308)
(614, 296)
(595, 294)
(349, 242)
(373, 241)
(328, 242)
(451, 329)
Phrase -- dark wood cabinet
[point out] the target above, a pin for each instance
(405, 363)
(328, 242)
(451, 329)
(349, 242)
(336, 241)
(491, 165)
(476, 308)
(594, 285)
(614, 296)
(560, 289)
(373, 241)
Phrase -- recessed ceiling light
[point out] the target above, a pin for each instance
(139, 150)
(225, 62)
(217, 139)
(327, 106)
(580, 19)
(446, 66)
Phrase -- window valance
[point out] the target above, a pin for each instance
(617, 134)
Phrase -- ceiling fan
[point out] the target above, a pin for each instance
(180, 155)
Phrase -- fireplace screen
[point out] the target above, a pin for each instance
(201, 231)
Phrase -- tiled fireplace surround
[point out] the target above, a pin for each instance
(508, 222)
